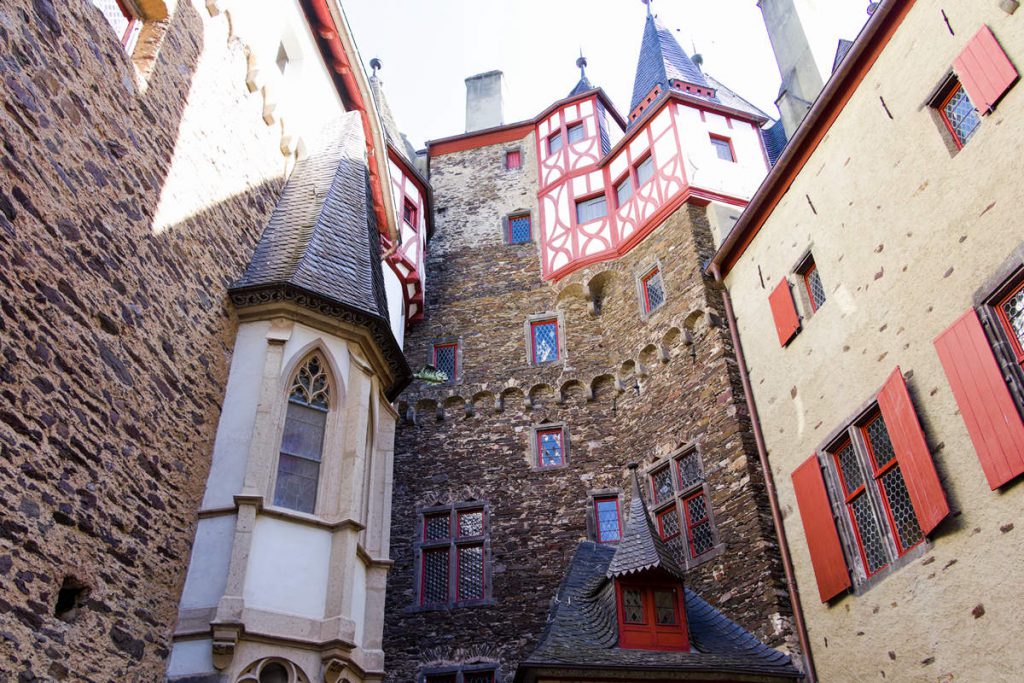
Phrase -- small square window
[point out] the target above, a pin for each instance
(513, 160)
(959, 115)
(624, 191)
(576, 133)
(723, 148)
(446, 360)
(653, 290)
(544, 341)
(812, 283)
(645, 170)
(409, 212)
(520, 229)
(555, 143)
(550, 447)
(592, 209)
(609, 523)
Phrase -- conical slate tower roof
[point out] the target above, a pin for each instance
(662, 61)
(641, 548)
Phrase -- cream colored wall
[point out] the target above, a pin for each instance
(904, 234)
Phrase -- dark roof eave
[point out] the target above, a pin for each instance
(664, 668)
(379, 327)
(826, 109)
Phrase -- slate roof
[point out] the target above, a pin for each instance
(641, 547)
(841, 51)
(661, 61)
(774, 137)
(321, 248)
(730, 98)
(392, 133)
(582, 633)
(583, 86)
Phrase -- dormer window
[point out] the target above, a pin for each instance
(651, 614)
(576, 133)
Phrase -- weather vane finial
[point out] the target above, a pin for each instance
(375, 65)
(582, 64)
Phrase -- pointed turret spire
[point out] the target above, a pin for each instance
(584, 82)
(641, 548)
(663, 62)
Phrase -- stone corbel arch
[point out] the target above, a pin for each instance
(271, 670)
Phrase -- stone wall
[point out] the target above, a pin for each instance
(629, 389)
(128, 201)
(904, 232)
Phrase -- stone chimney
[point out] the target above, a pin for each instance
(485, 100)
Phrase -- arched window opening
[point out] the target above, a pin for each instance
(298, 467)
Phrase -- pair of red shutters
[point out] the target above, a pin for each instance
(993, 423)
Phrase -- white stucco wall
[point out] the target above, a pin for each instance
(288, 568)
(190, 657)
(208, 568)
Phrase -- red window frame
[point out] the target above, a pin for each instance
(559, 432)
(671, 510)
(849, 497)
(597, 517)
(1004, 320)
(650, 635)
(455, 363)
(529, 222)
(533, 340)
(690, 523)
(513, 160)
(409, 212)
(644, 281)
(945, 118)
(877, 473)
(728, 141)
(809, 269)
(450, 547)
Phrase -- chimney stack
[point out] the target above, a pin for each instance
(485, 101)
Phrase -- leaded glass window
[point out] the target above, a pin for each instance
(446, 360)
(608, 524)
(544, 339)
(550, 449)
(869, 533)
(878, 438)
(645, 170)
(519, 229)
(593, 209)
(908, 531)
(815, 288)
(298, 465)
(662, 481)
(1011, 312)
(479, 677)
(452, 548)
(681, 504)
(688, 467)
(654, 290)
(960, 116)
(665, 607)
(633, 606)
(698, 525)
(668, 523)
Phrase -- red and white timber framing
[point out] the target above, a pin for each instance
(406, 257)
(675, 132)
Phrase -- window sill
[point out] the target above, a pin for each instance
(862, 586)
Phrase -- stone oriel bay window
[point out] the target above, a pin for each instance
(549, 446)
(545, 338)
(871, 495)
(452, 549)
(682, 507)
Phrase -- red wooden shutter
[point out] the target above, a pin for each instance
(784, 311)
(819, 528)
(985, 402)
(912, 453)
(984, 70)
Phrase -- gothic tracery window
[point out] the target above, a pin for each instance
(298, 466)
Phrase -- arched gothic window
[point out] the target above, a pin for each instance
(298, 467)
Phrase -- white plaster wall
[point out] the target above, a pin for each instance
(190, 657)
(288, 568)
(238, 414)
(703, 167)
(396, 304)
(208, 568)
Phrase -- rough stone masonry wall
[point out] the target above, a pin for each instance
(114, 329)
(472, 440)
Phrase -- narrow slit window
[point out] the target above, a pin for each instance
(815, 288)
(409, 212)
(653, 290)
(446, 359)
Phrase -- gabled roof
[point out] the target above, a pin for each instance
(582, 634)
(641, 548)
(392, 133)
(731, 98)
(661, 61)
(583, 86)
(321, 248)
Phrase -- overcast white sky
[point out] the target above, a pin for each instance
(428, 48)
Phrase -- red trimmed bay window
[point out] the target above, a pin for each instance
(544, 347)
(651, 614)
(607, 519)
(452, 556)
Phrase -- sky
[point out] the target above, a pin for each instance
(428, 48)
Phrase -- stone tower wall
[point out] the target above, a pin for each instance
(628, 389)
